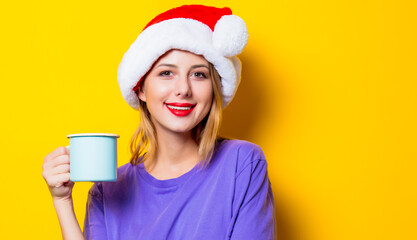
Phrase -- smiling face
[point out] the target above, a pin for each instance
(178, 91)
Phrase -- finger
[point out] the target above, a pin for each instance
(49, 171)
(58, 180)
(63, 159)
(63, 179)
(64, 168)
(50, 174)
(55, 153)
(60, 160)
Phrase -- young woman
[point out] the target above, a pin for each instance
(183, 181)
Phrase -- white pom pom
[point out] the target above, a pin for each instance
(230, 35)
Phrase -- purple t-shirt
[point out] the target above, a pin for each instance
(229, 199)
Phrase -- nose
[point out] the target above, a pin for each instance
(183, 87)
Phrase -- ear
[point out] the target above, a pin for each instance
(142, 95)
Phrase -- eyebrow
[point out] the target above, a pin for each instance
(175, 66)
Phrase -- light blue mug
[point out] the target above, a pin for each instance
(93, 157)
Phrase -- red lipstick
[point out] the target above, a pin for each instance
(180, 109)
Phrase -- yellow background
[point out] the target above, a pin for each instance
(328, 91)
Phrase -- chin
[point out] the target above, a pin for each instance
(182, 130)
(178, 128)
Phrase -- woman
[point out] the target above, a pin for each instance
(183, 181)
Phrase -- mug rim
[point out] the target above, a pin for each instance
(93, 134)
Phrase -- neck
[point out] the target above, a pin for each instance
(176, 154)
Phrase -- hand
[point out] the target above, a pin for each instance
(56, 172)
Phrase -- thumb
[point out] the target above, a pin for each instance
(69, 184)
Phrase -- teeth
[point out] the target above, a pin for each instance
(179, 108)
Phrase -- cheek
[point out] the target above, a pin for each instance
(204, 93)
(157, 92)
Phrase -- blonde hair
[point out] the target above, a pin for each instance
(143, 142)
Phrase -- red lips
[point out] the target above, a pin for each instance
(180, 109)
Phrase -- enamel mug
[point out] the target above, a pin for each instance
(93, 157)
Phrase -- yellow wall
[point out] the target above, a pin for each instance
(328, 91)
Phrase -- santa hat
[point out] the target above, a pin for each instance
(214, 33)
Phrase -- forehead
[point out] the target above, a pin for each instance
(175, 56)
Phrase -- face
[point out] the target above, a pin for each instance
(178, 91)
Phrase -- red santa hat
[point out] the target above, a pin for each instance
(214, 33)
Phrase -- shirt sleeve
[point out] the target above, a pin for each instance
(254, 204)
(94, 224)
